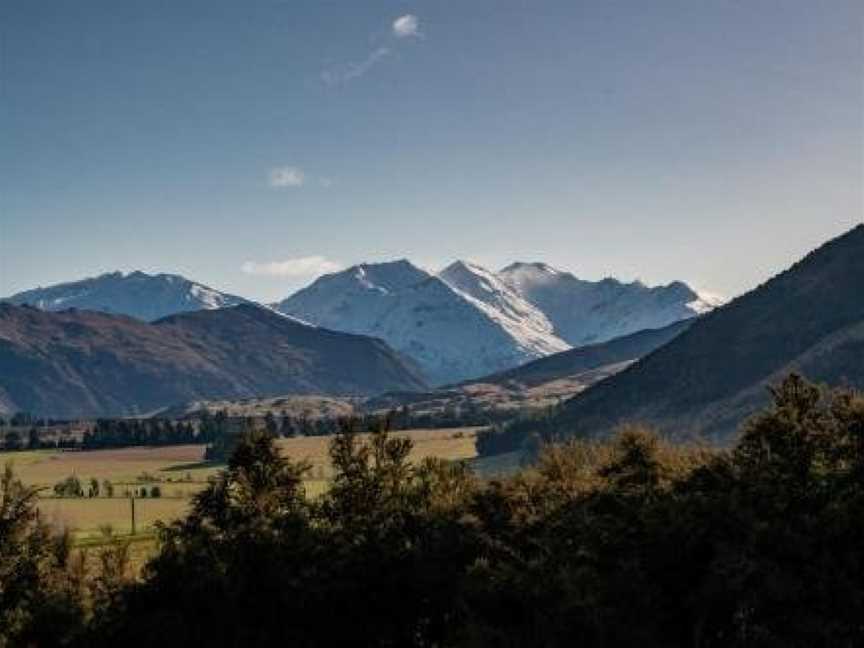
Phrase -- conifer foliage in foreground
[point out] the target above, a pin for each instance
(630, 542)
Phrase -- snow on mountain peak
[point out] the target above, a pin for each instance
(387, 276)
(533, 267)
(529, 327)
(137, 294)
(587, 312)
(525, 321)
(437, 320)
(705, 302)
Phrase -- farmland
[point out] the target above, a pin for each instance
(179, 472)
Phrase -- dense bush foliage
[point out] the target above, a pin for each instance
(40, 589)
(624, 543)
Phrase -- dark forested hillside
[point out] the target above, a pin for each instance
(82, 363)
(809, 318)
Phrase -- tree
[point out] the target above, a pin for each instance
(33, 441)
(40, 587)
(69, 487)
(270, 424)
(12, 440)
(629, 541)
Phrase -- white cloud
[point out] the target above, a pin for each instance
(325, 182)
(344, 73)
(406, 26)
(289, 176)
(308, 266)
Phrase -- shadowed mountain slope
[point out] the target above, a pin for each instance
(84, 363)
(810, 319)
(539, 383)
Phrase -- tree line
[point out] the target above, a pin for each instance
(23, 431)
(627, 542)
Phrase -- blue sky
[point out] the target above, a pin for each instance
(251, 144)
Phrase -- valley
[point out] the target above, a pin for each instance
(432, 324)
(179, 472)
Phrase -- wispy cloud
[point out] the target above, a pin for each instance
(308, 266)
(344, 73)
(287, 177)
(406, 26)
(293, 177)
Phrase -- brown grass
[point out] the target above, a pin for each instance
(85, 516)
(180, 472)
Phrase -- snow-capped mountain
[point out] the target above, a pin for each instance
(586, 312)
(525, 322)
(462, 323)
(468, 321)
(448, 332)
(137, 294)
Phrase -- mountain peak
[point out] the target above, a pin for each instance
(386, 275)
(536, 266)
(137, 294)
(463, 264)
(466, 268)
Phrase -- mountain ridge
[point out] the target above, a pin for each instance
(795, 321)
(144, 296)
(76, 363)
(461, 323)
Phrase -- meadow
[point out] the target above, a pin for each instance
(179, 472)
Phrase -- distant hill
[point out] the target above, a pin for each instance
(84, 363)
(706, 381)
(137, 294)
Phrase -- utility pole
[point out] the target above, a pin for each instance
(132, 502)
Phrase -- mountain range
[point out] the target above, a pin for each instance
(525, 335)
(468, 322)
(78, 363)
(461, 323)
(705, 382)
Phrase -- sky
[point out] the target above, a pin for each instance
(253, 145)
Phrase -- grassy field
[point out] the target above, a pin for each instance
(179, 472)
